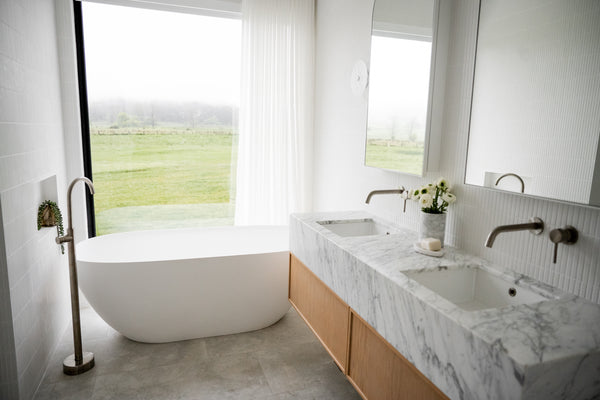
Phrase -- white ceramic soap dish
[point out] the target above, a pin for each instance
(431, 253)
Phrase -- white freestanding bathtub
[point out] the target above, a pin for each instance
(169, 285)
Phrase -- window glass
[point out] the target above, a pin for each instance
(163, 94)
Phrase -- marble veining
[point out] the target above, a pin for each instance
(548, 350)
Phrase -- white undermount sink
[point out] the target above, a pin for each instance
(357, 227)
(474, 288)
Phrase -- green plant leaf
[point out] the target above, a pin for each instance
(57, 218)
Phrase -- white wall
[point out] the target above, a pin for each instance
(32, 169)
(342, 182)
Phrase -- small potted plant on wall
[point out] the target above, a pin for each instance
(49, 215)
(434, 200)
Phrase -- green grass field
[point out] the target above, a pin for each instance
(135, 172)
(407, 159)
(174, 177)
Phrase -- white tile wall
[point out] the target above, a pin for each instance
(9, 388)
(342, 182)
(32, 169)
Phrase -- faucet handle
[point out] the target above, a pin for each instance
(566, 235)
(404, 195)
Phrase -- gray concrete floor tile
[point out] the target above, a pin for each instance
(233, 375)
(296, 366)
(67, 388)
(281, 362)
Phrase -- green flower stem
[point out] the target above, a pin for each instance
(438, 192)
(436, 208)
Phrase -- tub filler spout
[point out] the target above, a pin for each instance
(78, 362)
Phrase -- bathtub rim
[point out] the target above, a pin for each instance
(83, 254)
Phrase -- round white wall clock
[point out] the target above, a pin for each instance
(359, 78)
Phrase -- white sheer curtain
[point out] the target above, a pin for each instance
(276, 111)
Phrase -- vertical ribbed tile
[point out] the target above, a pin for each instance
(8, 362)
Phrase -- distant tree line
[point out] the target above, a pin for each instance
(127, 113)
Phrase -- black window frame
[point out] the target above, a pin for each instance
(84, 115)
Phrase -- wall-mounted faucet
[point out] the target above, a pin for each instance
(386, 191)
(567, 235)
(535, 226)
(78, 362)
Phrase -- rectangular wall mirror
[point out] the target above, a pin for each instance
(535, 114)
(400, 84)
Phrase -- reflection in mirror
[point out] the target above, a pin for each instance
(399, 81)
(536, 99)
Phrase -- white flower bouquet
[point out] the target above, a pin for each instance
(434, 198)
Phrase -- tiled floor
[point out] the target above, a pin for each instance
(283, 361)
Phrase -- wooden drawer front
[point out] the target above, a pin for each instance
(379, 372)
(325, 313)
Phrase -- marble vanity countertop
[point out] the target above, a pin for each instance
(546, 350)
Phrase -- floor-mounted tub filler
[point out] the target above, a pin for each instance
(80, 361)
(169, 285)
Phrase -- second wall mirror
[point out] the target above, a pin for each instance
(535, 116)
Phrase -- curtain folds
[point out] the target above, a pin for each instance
(276, 111)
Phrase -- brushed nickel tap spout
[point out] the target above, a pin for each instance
(78, 362)
(386, 191)
(535, 226)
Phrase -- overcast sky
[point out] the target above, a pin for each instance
(141, 54)
(399, 79)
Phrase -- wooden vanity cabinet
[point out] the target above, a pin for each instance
(378, 371)
(373, 366)
(325, 313)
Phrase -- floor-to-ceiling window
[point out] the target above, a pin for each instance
(163, 95)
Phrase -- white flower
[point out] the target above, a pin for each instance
(442, 183)
(449, 198)
(424, 190)
(415, 194)
(426, 200)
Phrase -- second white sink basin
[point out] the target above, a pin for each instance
(474, 288)
(357, 227)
